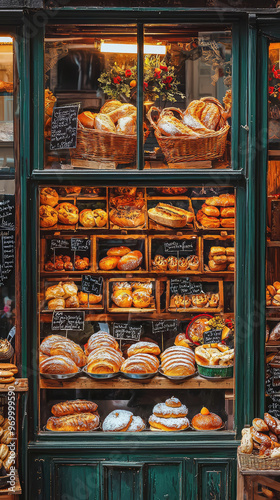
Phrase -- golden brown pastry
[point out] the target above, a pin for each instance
(49, 266)
(130, 261)
(70, 288)
(87, 119)
(104, 123)
(217, 251)
(183, 264)
(230, 251)
(224, 200)
(125, 200)
(147, 286)
(48, 216)
(48, 196)
(143, 347)
(47, 343)
(122, 298)
(100, 338)
(206, 421)
(173, 402)
(58, 365)
(11, 368)
(168, 424)
(140, 363)
(72, 407)
(81, 264)
(70, 350)
(117, 421)
(165, 411)
(276, 300)
(192, 117)
(126, 125)
(206, 221)
(159, 263)
(213, 266)
(110, 105)
(72, 302)
(210, 116)
(123, 110)
(118, 251)
(276, 285)
(210, 210)
(172, 263)
(214, 300)
(219, 259)
(127, 217)
(199, 300)
(73, 423)
(55, 291)
(231, 267)
(141, 298)
(104, 360)
(89, 298)
(68, 266)
(100, 217)
(193, 262)
(108, 263)
(122, 285)
(4, 450)
(56, 304)
(67, 213)
(228, 212)
(181, 340)
(169, 215)
(169, 125)
(227, 222)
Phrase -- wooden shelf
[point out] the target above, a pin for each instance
(20, 385)
(16, 490)
(122, 383)
(275, 243)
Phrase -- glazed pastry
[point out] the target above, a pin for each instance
(124, 201)
(193, 262)
(100, 217)
(130, 261)
(137, 425)
(172, 263)
(108, 263)
(58, 365)
(89, 298)
(131, 191)
(210, 116)
(127, 217)
(48, 196)
(210, 210)
(67, 213)
(168, 424)
(214, 354)
(160, 263)
(71, 407)
(122, 285)
(200, 300)
(47, 343)
(56, 304)
(246, 445)
(206, 221)
(122, 298)
(141, 298)
(49, 266)
(260, 425)
(143, 347)
(68, 266)
(118, 251)
(72, 301)
(59, 265)
(117, 421)
(104, 123)
(140, 363)
(224, 200)
(70, 350)
(206, 421)
(164, 411)
(48, 216)
(231, 267)
(80, 422)
(230, 251)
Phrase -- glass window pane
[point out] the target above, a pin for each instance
(6, 104)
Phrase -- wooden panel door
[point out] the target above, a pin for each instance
(75, 480)
(122, 480)
(214, 478)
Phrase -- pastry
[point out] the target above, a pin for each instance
(47, 343)
(141, 298)
(49, 266)
(210, 210)
(70, 288)
(159, 263)
(260, 425)
(276, 299)
(214, 354)
(168, 424)
(228, 212)
(130, 261)
(120, 111)
(127, 217)
(67, 213)
(213, 266)
(87, 119)
(122, 285)
(231, 267)
(8, 462)
(214, 300)
(122, 298)
(140, 363)
(179, 351)
(73, 423)
(48, 216)
(246, 445)
(89, 298)
(108, 263)
(70, 350)
(206, 221)
(56, 304)
(100, 338)
(137, 425)
(227, 222)
(104, 123)
(183, 264)
(175, 191)
(230, 251)
(68, 266)
(104, 360)
(4, 450)
(206, 421)
(59, 265)
(199, 300)
(71, 407)
(87, 218)
(81, 264)
(58, 365)
(117, 421)
(100, 217)
(143, 347)
(72, 301)
(193, 262)
(147, 286)
(130, 191)
(177, 366)
(126, 125)
(173, 402)
(181, 340)
(217, 251)
(172, 263)
(276, 285)
(118, 251)
(275, 333)
(224, 200)
(48, 196)
(182, 301)
(10, 367)
(165, 411)
(124, 201)
(169, 215)
(219, 259)
(55, 291)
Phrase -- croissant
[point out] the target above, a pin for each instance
(58, 365)
(70, 350)
(140, 363)
(47, 343)
(73, 423)
(104, 362)
(101, 338)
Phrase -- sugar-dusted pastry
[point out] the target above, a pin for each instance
(143, 347)
(137, 424)
(166, 411)
(168, 424)
(47, 343)
(122, 298)
(117, 421)
(104, 123)
(70, 350)
(58, 365)
(141, 298)
(140, 363)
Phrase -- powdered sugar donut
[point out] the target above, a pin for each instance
(117, 421)
(136, 425)
(168, 424)
(164, 411)
(173, 402)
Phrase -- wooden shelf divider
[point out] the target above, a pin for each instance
(20, 385)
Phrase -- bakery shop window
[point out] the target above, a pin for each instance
(91, 85)
(136, 308)
(6, 105)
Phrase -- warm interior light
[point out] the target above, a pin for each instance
(6, 39)
(128, 48)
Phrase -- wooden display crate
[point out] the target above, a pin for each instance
(133, 241)
(209, 286)
(46, 251)
(178, 201)
(45, 283)
(112, 308)
(161, 239)
(115, 227)
(216, 240)
(197, 204)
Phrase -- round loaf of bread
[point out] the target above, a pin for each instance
(210, 210)
(208, 422)
(181, 340)
(130, 261)
(168, 424)
(67, 213)
(48, 196)
(122, 298)
(117, 421)
(48, 216)
(87, 218)
(108, 263)
(118, 251)
(143, 347)
(141, 299)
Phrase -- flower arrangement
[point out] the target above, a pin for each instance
(274, 85)
(159, 81)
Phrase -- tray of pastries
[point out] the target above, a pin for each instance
(273, 295)
(132, 296)
(176, 254)
(214, 360)
(218, 255)
(215, 212)
(208, 300)
(127, 208)
(60, 358)
(58, 257)
(167, 215)
(115, 254)
(68, 295)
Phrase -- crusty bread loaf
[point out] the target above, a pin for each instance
(127, 217)
(122, 298)
(130, 261)
(71, 407)
(108, 263)
(58, 365)
(73, 423)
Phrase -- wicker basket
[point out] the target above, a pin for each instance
(254, 462)
(178, 149)
(105, 146)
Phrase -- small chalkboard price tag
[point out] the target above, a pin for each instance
(80, 245)
(183, 286)
(62, 244)
(181, 246)
(276, 372)
(92, 284)
(274, 407)
(64, 127)
(70, 320)
(164, 326)
(212, 336)
(124, 331)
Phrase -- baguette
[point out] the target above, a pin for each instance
(71, 407)
(73, 423)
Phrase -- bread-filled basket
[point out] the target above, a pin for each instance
(183, 148)
(254, 462)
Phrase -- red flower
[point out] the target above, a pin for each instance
(164, 68)
(127, 73)
(117, 80)
(157, 70)
(169, 79)
(156, 75)
(145, 86)
(270, 90)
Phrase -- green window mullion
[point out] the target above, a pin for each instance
(140, 83)
(38, 99)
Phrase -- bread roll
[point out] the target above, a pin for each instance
(130, 261)
(104, 123)
(87, 119)
(231, 267)
(213, 266)
(70, 350)
(72, 407)
(127, 217)
(56, 304)
(217, 251)
(67, 213)
(58, 365)
(143, 347)
(110, 105)
(55, 292)
(70, 288)
(141, 299)
(227, 222)
(193, 262)
(122, 285)
(48, 216)
(123, 110)
(98, 338)
(104, 361)
(118, 251)
(147, 286)
(210, 210)
(4, 450)
(72, 302)
(73, 423)
(220, 259)
(100, 217)
(126, 125)
(230, 251)
(228, 212)
(89, 298)
(108, 263)
(122, 298)
(48, 196)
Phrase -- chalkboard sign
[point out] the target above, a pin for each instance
(212, 336)
(183, 286)
(60, 244)
(182, 246)
(64, 127)
(80, 245)
(276, 372)
(7, 235)
(70, 320)
(274, 406)
(164, 326)
(92, 284)
(124, 331)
